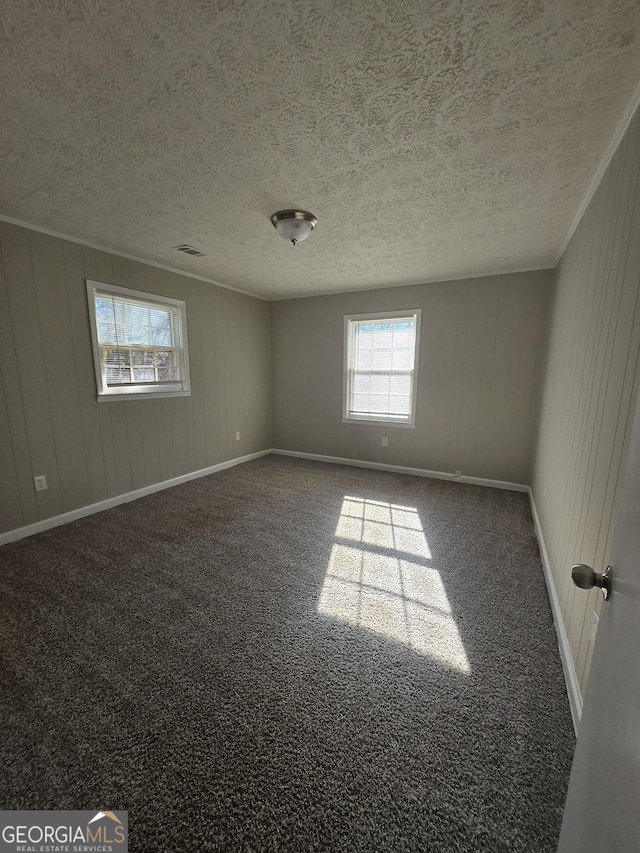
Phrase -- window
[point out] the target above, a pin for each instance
(381, 355)
(139, 343)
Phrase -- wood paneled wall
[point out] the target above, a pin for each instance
(481, 358)
(50, 420)
(590, 385)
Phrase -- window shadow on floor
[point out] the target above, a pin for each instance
(381, 577)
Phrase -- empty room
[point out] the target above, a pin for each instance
(319, 441)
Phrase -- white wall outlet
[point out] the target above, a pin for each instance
(237, 436)
(458, 475)
(40, 483)
(385, 441)
(594, 625)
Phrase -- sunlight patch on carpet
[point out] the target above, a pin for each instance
(380, 577)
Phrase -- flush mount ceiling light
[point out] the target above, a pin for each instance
(294, 225)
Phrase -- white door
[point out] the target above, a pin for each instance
(602, 813)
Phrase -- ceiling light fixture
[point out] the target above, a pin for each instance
(294, 225)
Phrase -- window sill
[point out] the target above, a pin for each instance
(151, 395)
(379, 422)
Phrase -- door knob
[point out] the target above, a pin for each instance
(585, 577)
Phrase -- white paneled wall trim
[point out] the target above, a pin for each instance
(401, 469)
(91, 509)
(568, 666)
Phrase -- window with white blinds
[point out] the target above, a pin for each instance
(139, 343)
(381, 354)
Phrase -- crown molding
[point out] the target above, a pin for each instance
(149, 263)
(417, 283)
(607, 157)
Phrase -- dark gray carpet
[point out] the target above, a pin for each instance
(188, 658)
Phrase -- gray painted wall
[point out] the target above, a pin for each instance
(50, 421)
(481, 358)
(589, 390)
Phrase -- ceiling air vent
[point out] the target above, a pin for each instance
(190, 250)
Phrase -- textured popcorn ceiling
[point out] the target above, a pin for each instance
(431, 139)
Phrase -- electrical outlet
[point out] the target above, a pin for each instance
(385, 441)
(237, 436)
(40, 483)
(594, 625)
(458, 475)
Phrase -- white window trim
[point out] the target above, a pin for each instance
(136, 392)
(346, 392)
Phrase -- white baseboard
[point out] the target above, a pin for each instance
(568, 666)
(400, 469)
(81, 512)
